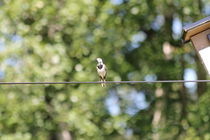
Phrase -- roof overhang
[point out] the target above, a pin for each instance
(195, 28)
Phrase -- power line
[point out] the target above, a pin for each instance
(107, 82)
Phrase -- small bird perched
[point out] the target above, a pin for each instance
(101, 69)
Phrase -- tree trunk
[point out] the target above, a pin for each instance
(158, 112)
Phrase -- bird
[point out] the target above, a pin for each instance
(102, 71)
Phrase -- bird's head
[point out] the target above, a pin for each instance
(99, 60)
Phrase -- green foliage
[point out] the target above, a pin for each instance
(59, 40)
(198, 119)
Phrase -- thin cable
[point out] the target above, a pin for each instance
(107, 82)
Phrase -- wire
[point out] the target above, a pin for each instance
(107, 82)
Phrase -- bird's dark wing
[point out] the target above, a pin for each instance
(106, 72)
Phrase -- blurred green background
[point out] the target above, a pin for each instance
(59, 40)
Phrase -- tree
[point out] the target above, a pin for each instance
(60, 40)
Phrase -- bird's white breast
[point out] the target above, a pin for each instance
(102, 72)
